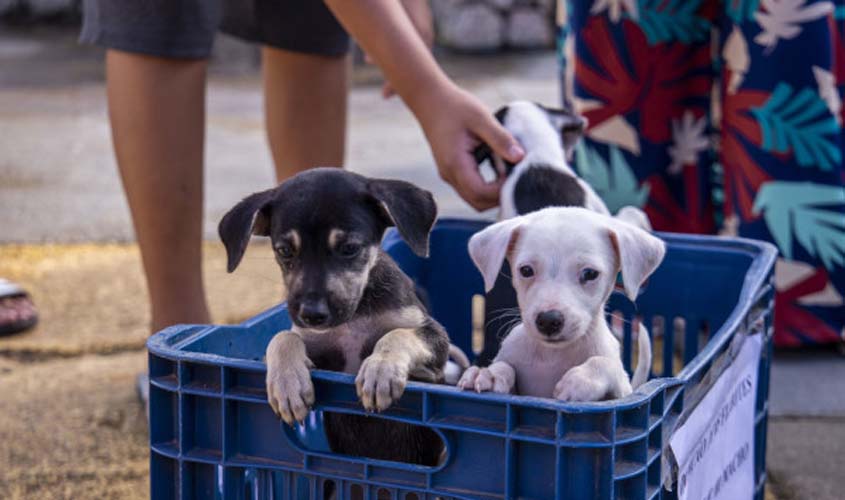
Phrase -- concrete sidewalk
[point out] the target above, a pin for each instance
(807, 424)
(70, 425)
(58, 169)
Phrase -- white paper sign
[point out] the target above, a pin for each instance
(714, 448)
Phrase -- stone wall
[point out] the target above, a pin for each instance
(491, 25)
(467, 25)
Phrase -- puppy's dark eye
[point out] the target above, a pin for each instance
(588, 274)
(526, 271)
(285, 251)
(349, 250)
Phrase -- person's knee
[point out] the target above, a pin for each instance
(269, 51)
(140, 59)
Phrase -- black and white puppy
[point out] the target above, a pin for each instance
(353, 310)
(543, 178)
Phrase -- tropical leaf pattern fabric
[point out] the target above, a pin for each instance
(722, 116)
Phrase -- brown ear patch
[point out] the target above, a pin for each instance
(513, 241)
(614, 242)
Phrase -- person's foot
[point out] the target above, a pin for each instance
(17, 311)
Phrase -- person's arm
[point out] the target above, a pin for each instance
(454, 121)
(421, 17)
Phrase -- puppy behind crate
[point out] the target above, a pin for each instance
(352, 308)
(564, 262)
(544, 178)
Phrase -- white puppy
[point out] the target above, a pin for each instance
(564, 263)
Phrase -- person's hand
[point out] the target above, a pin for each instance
(420, 14)
(455, 123)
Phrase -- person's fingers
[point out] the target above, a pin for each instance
(471, 187)
(387, 90)
(499, 165)
(499, 139)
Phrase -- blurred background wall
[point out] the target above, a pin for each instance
(463, 25)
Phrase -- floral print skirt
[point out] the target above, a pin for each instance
(722, 116)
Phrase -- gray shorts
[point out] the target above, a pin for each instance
(186, 28)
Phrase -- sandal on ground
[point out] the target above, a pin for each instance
(17, 311)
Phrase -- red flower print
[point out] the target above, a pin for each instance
(793, 323)
(743, 177)
(665, 76)
(666, 214)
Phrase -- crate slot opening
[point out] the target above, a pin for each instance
(371, 426)
(478, 323)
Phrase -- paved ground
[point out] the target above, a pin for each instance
(92, 297)
(70, 426)
(807, 428)
(58, 169)
(73, 428)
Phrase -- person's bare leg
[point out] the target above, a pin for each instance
(157, 113)
(305, 109)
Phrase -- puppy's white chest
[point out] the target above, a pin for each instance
(539, 367)
(538, 377)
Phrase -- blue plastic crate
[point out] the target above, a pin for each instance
(213, 435)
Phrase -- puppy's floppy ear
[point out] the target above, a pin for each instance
(411, 209)
(489, 247)
(570, 125)
(638, 253)
(250, 216)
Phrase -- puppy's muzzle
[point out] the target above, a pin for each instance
(549, 323)
(314, 313)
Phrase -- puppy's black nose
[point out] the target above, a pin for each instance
(314, 313)
(549, 322)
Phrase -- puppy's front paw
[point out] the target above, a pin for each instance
(483, 380)
(577, 385)
(380, 381)
(467, 380)
(289, 389)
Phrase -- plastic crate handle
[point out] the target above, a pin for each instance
(309, 438)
